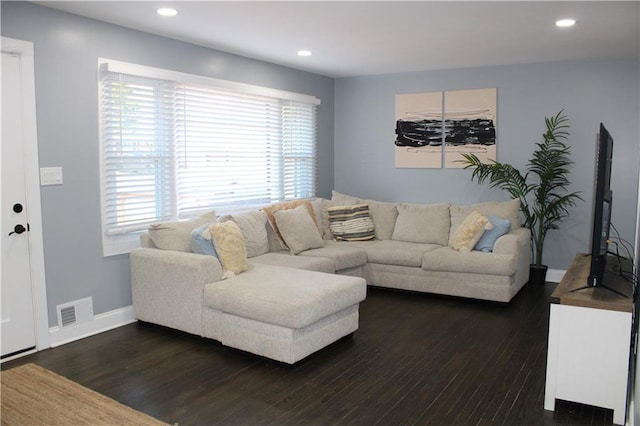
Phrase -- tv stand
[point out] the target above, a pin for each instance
(600, 286)
(590, 335)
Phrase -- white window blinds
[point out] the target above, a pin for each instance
(172, 148)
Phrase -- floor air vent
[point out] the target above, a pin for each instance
(76, 312)
(67, 316)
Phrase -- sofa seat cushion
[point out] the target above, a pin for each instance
(344, 255)
(449, 260)
(391, 252)
(286, 297)
(285, 258)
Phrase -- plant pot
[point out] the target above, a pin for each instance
(537, 274)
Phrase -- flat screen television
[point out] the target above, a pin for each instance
(602, 203)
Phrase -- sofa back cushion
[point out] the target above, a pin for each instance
(384, 216)
(422, 223)
(505, 210)
(176, 235)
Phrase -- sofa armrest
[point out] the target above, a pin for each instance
(167, 286)
(517, 243)
(513, 242)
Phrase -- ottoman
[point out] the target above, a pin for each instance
(282, 313)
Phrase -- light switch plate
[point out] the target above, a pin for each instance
(50, 176)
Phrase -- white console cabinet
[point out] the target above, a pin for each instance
(589, 343)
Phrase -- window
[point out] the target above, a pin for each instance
(174, 146)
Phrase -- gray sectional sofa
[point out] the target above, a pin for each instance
(286, 306)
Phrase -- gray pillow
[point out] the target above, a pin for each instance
(253, 225)
(298, 229)
(422, 223)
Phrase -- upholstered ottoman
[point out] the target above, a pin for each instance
(282, 313)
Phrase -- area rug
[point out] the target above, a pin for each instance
(32, 395)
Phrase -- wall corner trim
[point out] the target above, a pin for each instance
(100, 323)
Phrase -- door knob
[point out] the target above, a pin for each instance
(18, 229)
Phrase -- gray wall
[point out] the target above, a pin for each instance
(590, 93)
(67, 48)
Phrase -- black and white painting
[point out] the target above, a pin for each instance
(418, 141)
(434, 129)
(469, 125)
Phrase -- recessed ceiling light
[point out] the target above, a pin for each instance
(167, 11)
(565, 23)
(304, 53)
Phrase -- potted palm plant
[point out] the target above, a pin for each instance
(542, 189)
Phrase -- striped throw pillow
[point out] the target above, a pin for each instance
(351, 223)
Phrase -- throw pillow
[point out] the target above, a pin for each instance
(490, 236)
(504, 209)
(202, 242)
(176, 235)
(326, 204)
(270, 211)
(422, 223)
(229, 244)
(298, 229)
(253, 225)
(470, 231)
(351, 223)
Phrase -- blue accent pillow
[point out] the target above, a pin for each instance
(202, 241)
(490, 236)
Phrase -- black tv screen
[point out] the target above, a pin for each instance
(602, 203)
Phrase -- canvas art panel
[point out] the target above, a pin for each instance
(469, 125)
(418, 142)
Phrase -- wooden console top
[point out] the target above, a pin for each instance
(593, 297)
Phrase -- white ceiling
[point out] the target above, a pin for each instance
(378, 37)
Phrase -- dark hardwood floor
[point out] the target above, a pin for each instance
(416, 359)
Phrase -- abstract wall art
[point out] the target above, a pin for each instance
(469, 125)
(418, 141)
(433, 129)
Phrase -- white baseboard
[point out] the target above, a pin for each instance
(555, 275)
(99, 324)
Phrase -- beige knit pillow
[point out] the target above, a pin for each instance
(470, 231)
(229, 243)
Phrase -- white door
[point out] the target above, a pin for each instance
(18, 314)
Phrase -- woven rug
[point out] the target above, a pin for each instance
(32, 395)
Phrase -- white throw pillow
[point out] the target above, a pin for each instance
(253, 225)
(298, 229)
